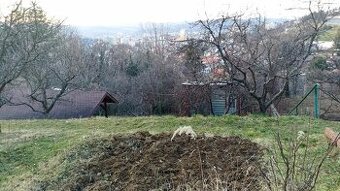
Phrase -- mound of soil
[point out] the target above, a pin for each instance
(145, 162)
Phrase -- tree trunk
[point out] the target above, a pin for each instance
(274, 110)
(287, 89)
(262, 106)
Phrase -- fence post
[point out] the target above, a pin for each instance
(316, 100)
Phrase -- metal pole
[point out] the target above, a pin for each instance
(316, 100)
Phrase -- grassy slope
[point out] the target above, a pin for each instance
(32, 150)
(330, 34)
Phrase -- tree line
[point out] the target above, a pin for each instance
(259, 60)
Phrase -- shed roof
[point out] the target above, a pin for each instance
(76, 104)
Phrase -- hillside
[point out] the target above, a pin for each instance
(36, 152)
(329, 35)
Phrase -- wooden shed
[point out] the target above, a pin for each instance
(209, 98)
(76, 104)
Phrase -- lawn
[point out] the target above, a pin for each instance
(34, 150)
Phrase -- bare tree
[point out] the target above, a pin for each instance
(259, 57)
(99, 63)
(22, 32)
(144, 74)
(54, 74)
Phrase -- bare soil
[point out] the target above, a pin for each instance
(153, 162)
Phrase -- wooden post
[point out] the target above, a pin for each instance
(316, 100)
(239, 105)
(105, 109)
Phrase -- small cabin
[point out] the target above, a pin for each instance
(209, 99)
(75, 104)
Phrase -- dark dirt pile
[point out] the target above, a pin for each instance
(144, 162)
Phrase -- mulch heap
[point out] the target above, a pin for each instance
(153, 162)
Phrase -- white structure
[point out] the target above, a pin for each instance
(187, 130)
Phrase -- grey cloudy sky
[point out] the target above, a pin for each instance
(132, 12)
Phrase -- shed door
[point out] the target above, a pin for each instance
(218, 101)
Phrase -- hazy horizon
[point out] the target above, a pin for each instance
(111, 13)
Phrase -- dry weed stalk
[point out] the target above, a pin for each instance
(291, 165)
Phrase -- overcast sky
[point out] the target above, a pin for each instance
(133, 12)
